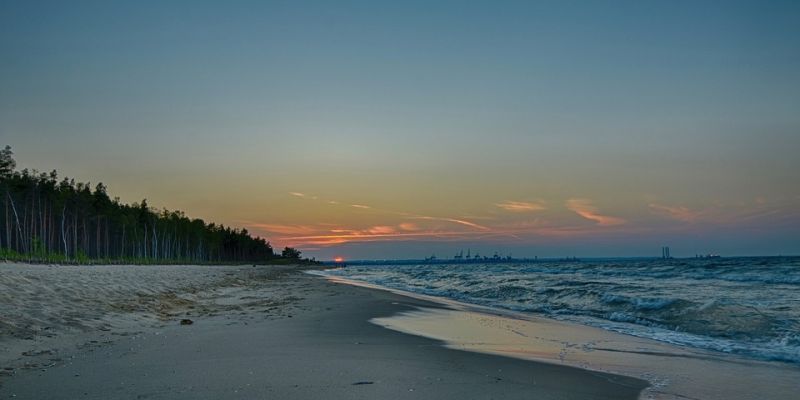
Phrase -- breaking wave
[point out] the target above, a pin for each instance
(746, 306)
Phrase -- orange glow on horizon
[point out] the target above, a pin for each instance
(338, 259)
(510, 221)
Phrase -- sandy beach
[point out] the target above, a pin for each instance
(400, 200)
(115, 332)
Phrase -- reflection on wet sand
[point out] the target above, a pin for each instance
(674, 372)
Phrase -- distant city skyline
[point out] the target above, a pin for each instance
(401, 130)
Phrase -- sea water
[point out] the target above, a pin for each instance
(744, 306)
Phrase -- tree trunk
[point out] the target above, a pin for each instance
(64, 233)
(16, 216)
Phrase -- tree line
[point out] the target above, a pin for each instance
(51, 220)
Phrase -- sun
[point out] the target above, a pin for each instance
(338, 259)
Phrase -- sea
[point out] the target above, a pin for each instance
(747, 306)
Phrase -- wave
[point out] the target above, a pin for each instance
(744, 305)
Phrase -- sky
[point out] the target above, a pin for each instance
(404, 129)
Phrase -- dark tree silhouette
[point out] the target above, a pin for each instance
(290, 253)
(7, 163)
(44, 219)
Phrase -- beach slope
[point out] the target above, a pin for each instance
(246, 343)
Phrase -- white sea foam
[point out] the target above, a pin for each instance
(746, 306)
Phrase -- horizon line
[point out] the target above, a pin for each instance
(537, 258)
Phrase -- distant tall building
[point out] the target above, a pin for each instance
(665, 252)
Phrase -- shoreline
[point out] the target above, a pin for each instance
(321, 344)
(673, 371)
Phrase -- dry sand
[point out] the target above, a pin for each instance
(46, 308)
(114, 332)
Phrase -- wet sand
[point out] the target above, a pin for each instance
(263, 332)
(674, 372)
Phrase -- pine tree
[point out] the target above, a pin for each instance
(44, 219)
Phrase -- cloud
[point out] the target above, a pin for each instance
(759, 211)
(676, 212)
(408, 226)
(327, 235)
(463, 222)
(284, 229)
(367, 236)
(321, 235)
(340, 230)
(381, 230)
(586, 209)
(520, 206)
(453, 220)
(303, 195)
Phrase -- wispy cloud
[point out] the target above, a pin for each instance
(367, 236)
(520, 206)
(759, 211)
(679, 213)
(525, 221)
(408, 226)
(303, 195)
(453, 220)
(586, 209)
(415, 227)
(329, 234)
(284, 229)
(381, 230)
(459, 221)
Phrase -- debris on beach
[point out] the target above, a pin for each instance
(186, 322)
